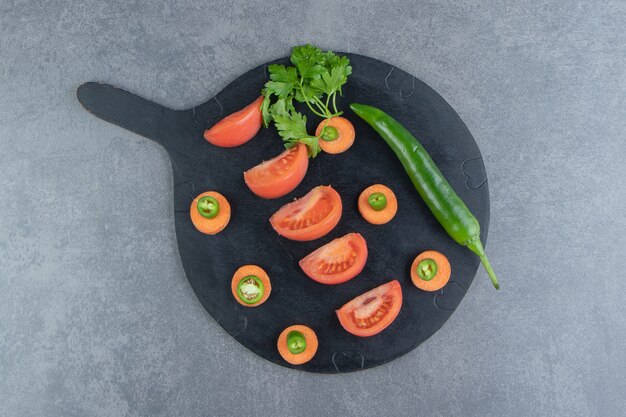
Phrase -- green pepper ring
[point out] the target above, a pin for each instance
(427, 269)
(296, 342)
(329, 134)
(250, 282)
(377, 201)
(208, 207)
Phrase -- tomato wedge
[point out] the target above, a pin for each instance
(337, 261)
(237, 128)
(310, 217)
(280, 175)
(372, 312)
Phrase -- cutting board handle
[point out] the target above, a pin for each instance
(137, 114)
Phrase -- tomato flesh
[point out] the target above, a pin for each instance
(280, 175)
(372, 312)
(237, 128)
(309, 217)
(338, 261)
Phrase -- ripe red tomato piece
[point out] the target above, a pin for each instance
(309, 217)
(237, 128)
(337, 261)
(280, 175)
(372, 312)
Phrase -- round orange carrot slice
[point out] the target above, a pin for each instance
(297, 344)
(430, 271)
(251, 286)
(338, 134)
(210, 212)
(378, 204)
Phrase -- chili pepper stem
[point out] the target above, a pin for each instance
(477, 247)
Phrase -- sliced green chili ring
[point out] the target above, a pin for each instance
(377, 201)
(296, 342)
(330, 133)
(427, 269)
(250, 289)
(208, 207)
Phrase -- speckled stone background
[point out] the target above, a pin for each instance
(96, 315)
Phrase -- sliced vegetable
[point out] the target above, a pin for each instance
(208, 207)
(378, 204)
(251, 286)
(372, 312)
(237, 128)
(309, 217)
(377, 201)
(430, 271)
(337, 261)
(432, 186)
(250, 289)
(210, 212)
(336, 134)
(297, 344)
(280, 175)
(427, 269)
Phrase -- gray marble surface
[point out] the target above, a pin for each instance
(96, 315)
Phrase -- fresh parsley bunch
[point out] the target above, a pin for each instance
(315, 79)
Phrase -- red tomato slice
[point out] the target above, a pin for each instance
(372, 312)
(237, 128)
(338, 261)
(280, 175)
(309, 217)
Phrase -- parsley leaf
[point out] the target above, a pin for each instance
(308, 60)
(291, 127)
(306, 93)
(282, 80)
(332, 79)
(282, 73)
(311, 142)
(282, 107)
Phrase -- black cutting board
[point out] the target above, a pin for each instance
(210, 261)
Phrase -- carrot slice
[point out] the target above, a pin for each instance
(217, 223)
(378, 216)
(302, 357)
(246, 271)
(441, 271)
(345, 135)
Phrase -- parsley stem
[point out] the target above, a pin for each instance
(334, 103)
(306, 100)
(321, 106)
(313, 110)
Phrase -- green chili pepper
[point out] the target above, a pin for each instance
(330, 133)
(250, 289)
(296, 343)
(427, 269)
(208, 207)
(432, 186)
(377, 201)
